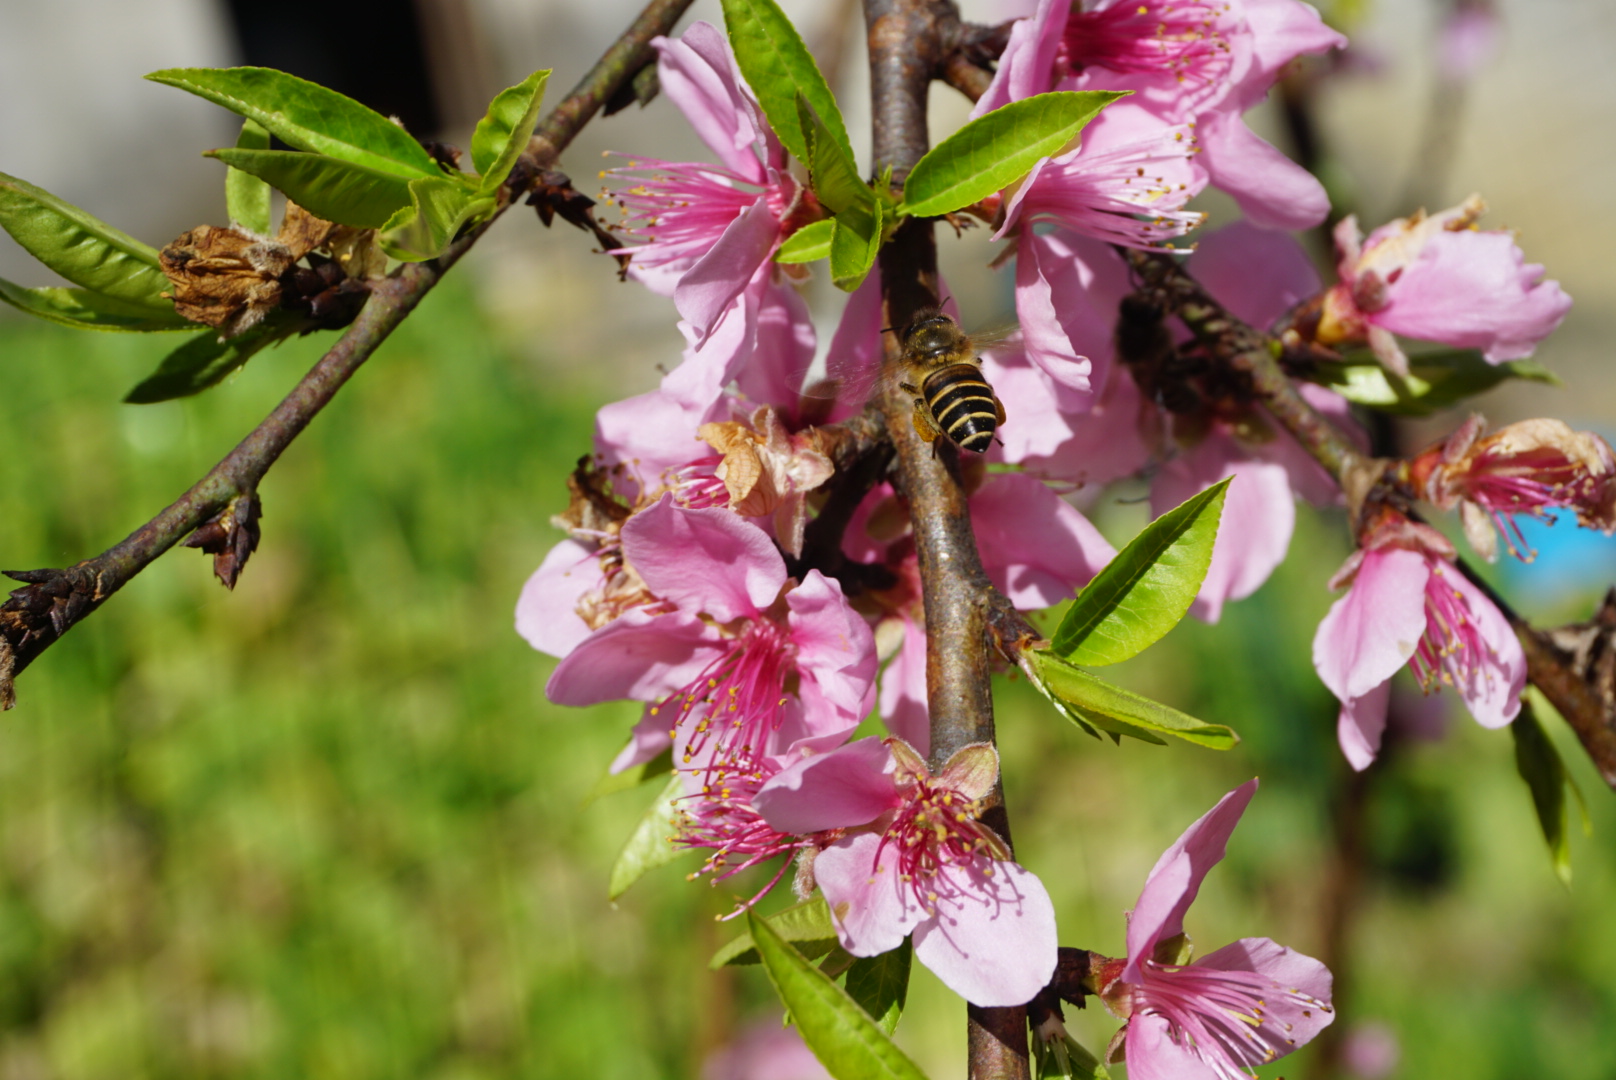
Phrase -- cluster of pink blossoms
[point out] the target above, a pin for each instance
(679, 584)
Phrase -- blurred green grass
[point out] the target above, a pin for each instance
(327, 825)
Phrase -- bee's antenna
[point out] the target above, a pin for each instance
(888, 329)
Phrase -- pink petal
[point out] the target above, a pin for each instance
(1098, 447)
(1044, 266)
(648, 739)
(1259, 515)
(856, 351)
(710, 561)
(1372, 631)
(1272, 190)
(835, 654)
(1282, 30)
(709, 290)
(874, 910)
(649, 434)
(643, 657)
(1176, 878)
(697, 75)
(848, 786)
(992, 940)
(903, 690)
(1493, 691)
(1152, 1054)
(1289, 970)
(699, 380)
(1474, 290)
(783, 352)
(547, 611)
(1360, 725)
(1258, 274)
(1037, 547)
(1027, 65)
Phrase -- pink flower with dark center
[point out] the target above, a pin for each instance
(748, 664)
(1242, 1006)
(1526, 468)
(1438, 278)
(1409, 604)
(916, 859)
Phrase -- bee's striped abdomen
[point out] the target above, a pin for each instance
(962, 405)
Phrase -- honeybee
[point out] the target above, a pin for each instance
(944, 373)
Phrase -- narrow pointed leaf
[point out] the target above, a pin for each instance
(1145, 590)
(651, 844)
(1123, 712)
(831, 169)
(326, 187)
(997, 149)
(1437, 379)
(632, 777)
(245, 195)
(438, 208)
(806, 925)
(854, 245)
(1067, 1059)
(205, 361)
(808, 244)
(309, 117)
(1540, 765)
(842, 1036)
(778, 67)
(880, 985)
(86, 310)
(502, 134)
(83, 249)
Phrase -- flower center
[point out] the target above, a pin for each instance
(720, 817)
(937, 827)
(1223, 1017)
(680, 209)
(724, 716)
(1181, 38)
(1452, 651)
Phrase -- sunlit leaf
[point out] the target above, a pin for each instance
(83, 249)
(246, 196)
(806, 925)
(502, 134)
(1540, 765)
(1437, 380)
(880, 985)
(326, 187)
(842, 1036)
(997, 149)
(854, 245)
(778, 68)
(808, 244)
(651, 844)
(1144, 592)
(86, 310)
(438, 208)
(308, 116)
(205, 361)
(1123, 712)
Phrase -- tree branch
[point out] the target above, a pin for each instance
(1550, 668)
(907, 51)
(36, 616)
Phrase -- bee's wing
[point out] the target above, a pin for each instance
(990, 339)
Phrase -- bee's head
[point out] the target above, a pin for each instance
(932, 335)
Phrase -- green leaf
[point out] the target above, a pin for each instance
(1540, 765)
(245, 195)
(806, 925)
(632, 777)
(205, 361)
(88, 310)
(651, 844)
(86, 251)
(1143, 592)
(1119, 711)
(438, 208)
(1436, 380)
(854, 245)
(808, 244)
(997, 149)
(326, 187)
(842, 1036)
(309, 117)
(1066, 1058)
(831, 170)
(880, 985)
(502, 134)
(779, 69)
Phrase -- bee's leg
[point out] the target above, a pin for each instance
(923, 425)
(998, 407)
